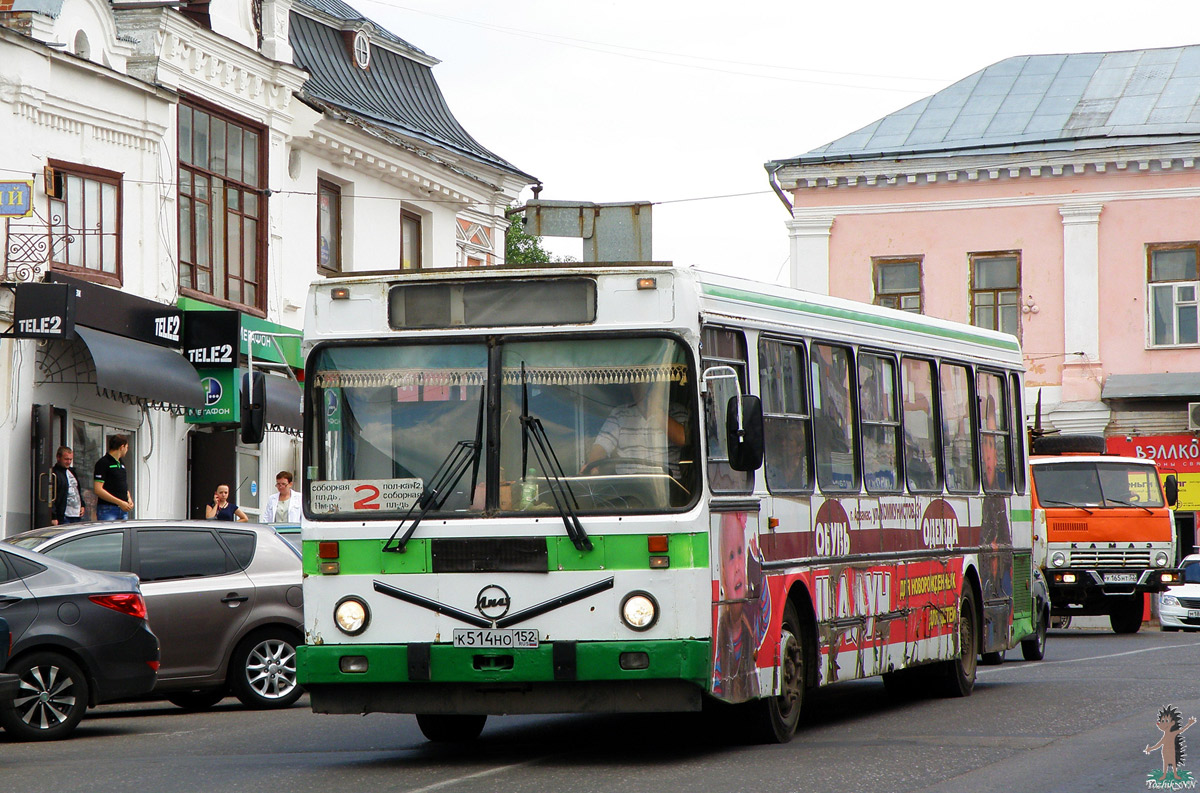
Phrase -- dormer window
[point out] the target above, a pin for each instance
(362, 50)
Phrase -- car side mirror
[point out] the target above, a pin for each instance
(1172, 487)
(744, 432)
(253, 404)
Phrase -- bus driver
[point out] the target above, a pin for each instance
(644, 435)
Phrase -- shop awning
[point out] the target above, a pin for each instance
(1167, 385)
(156, 374)
(283, 407)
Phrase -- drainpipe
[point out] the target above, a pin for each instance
(772, 169)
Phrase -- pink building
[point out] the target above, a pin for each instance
(1056, 197)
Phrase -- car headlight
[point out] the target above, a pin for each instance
(1160, 559)
(639, 611)
(1168, 600)
(351, 615)
(1058, 559)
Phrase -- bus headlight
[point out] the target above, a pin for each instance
(639, 611)
(1160, 559)
(1058, 559)
(351, 616)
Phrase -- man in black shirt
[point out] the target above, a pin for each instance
(68, 496)
(114, 501)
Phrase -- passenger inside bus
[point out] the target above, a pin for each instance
(644, 435)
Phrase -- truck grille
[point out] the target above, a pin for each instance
(1108, 557)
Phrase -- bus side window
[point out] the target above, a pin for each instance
(921, 463)
(1018, 432)
(880, 427)
(836, 438)
(786, 419)
(993, 433)
(958, 432)
(723, 347)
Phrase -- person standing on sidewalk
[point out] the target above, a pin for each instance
(283, 506)
(114, 501)
(68, 498)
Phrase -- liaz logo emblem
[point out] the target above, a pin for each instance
(212, 391)
(492, 602)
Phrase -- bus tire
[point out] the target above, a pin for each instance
(958, 674)
(1127, 617)
(992, 659)
(774, 719)
(1034, 648)
(450, 728)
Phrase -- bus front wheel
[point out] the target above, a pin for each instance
(450, 728)
(959, 673)
(775, 718)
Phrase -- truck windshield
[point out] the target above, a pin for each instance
(616, 426)
(1097, 484)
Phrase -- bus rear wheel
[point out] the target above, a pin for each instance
(774, 719)
(959, 673)
(450, 728)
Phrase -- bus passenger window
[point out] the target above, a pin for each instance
(833, 415)
(920, 426)
(786, 420)
(877, 407)
(993, 433)
(958, 437)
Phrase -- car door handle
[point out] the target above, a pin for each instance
(8, 601)
(233, 597)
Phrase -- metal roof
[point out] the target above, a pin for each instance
(1038, 102)
(396, 94)
(339, 10)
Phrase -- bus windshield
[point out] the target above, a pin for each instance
(600, 425)
(1097, 484)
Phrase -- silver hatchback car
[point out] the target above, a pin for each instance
(223, 598)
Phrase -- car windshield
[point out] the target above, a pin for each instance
(32, 539)
(1097, 484)
(1191, 573)
(503, 427)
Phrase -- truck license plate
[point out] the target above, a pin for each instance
(1120, 578)
(496, 638)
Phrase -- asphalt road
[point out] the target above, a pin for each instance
(1077, 721)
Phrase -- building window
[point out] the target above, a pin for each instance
(362, 50)
(410, 240)
(329, 227)
(222, 228)
(85, 219)
(1173, 292)
(995, 289)
(898, 284)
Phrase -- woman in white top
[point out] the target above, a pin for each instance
(283, 506)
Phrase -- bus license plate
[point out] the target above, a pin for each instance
(496, 638)
(1120, 578)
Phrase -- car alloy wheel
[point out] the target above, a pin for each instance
(52, 698)
(264, 671)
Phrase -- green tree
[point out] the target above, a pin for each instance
(521, 247)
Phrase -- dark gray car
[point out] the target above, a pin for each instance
(79, 638)
(223, 598)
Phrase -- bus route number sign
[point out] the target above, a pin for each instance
(328, 497)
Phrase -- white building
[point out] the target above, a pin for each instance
(187, 173)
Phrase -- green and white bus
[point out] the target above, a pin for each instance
(631, 488)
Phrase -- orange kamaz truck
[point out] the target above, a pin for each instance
(1104, 534)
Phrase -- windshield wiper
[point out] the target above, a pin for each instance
(1128, 504)
(1064, 503)
(443, 481)
(560, 488)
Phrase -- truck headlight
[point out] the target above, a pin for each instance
(1058, 559)
(1160, 559)
(639, 611)
(351, 616)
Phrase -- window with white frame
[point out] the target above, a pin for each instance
(1173, 285)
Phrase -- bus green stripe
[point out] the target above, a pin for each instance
(1021, 515)
(859, 316)
(615, 552)
(671, 659)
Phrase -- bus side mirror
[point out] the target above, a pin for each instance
(744, 432)
(254, 413)
(1172, 486)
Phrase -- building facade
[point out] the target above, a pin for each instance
(1055, 197)
(175, 178)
